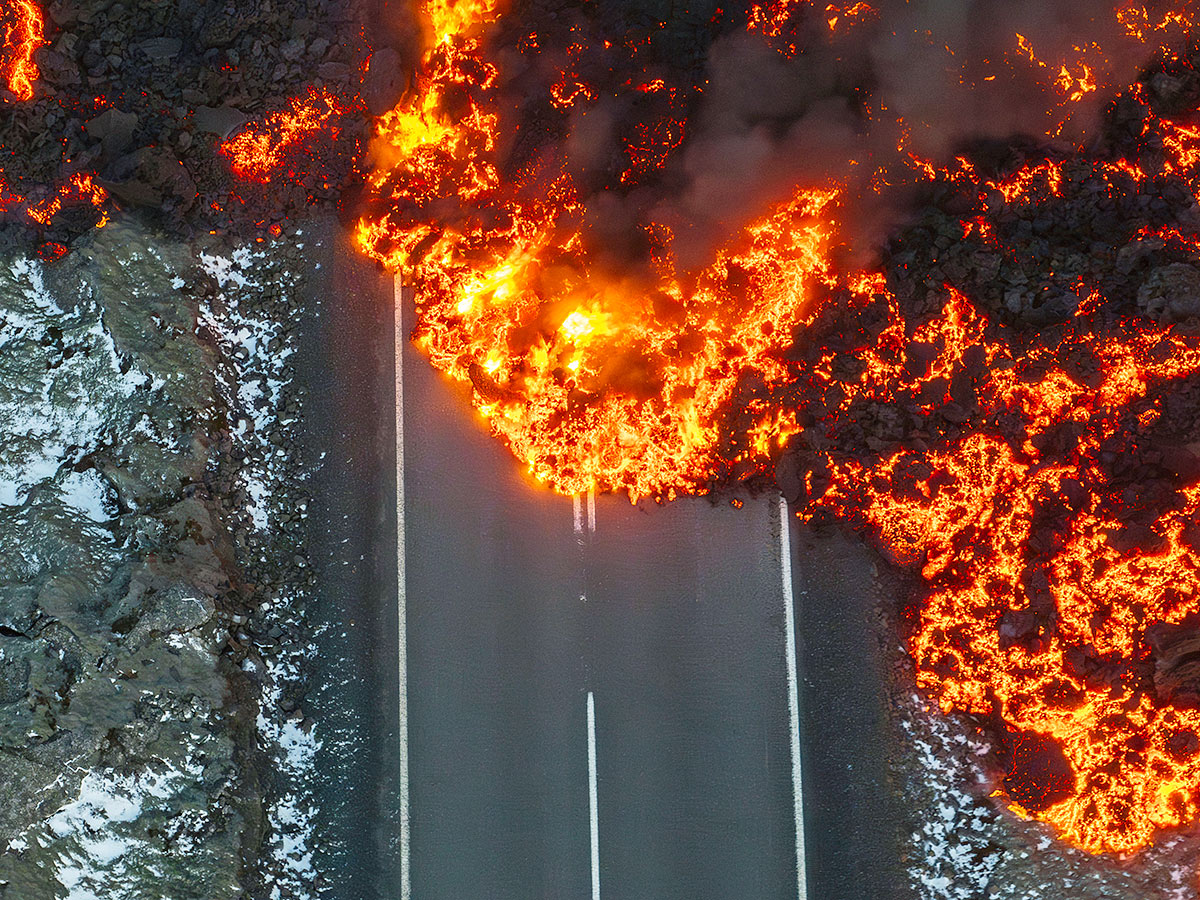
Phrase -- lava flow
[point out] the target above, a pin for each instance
(21, 27)
(594, 381)
(1016, 447)
(282, 141)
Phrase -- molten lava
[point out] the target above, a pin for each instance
(80, 190)
(593, 381)
(21, 33)
(1018, 539)
(991, 467)
(272, 146)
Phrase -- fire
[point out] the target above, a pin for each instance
(265, 148)
(22, 25)
(80, 189)
(618, 384)
(1039, 602)
(1042, 582)
(776, 18)
(849, 14)
(657, 134)
(771, 18)
(1002, 627)
(1165, 25)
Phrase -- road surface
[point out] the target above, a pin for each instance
(592, 699)
(597, 693)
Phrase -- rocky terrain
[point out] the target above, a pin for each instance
(142, 94)
(151, 608)
(153, 628)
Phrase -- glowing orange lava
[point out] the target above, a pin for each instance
(264, 149)
(21, 33)
(1038, 593)
(79, 190)
(1002, 623)
(617, 384)
(1042, 576)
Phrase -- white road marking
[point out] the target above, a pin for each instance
(595, 819)
(785, 547)
(577, 504)
(592, 510)
(401, 596)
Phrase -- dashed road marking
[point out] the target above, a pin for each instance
(594, 816)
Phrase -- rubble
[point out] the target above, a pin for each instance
(141, 93)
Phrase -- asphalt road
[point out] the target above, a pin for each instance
(520, 604)
(594, 696)
(346, 359)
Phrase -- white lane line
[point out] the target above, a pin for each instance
(595, 819)
(592, 510)
(401, 594)
(785, 547)
(577, 504)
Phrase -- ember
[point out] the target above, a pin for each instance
(275, 145)
(79, 191)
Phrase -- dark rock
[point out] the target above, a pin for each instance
(1040, 775)
(1171, 293)
(219, 120)
(385, 81)
(114, 130)
(1175, 650)
(162, 48)
(789, 475)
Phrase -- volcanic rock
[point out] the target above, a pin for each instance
(113, 129)
(789, 475)
(1171, 293)
(161, 48)
(1041, 774)
(219, 120)
(384, 82)
(1175, 650)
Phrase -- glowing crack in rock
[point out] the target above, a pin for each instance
(21, 33)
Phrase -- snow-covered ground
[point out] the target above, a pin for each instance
(257, 347)
(50, 417)
(134, 818)
(967, 848)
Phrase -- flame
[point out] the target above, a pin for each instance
(263, 149)
(656, 135)
(771, 18)
(1016, 532)
(592, 381)
(78, 190)
(849, 14)
(21, 27)
(1035, 605)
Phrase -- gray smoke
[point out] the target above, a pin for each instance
(950, 69)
